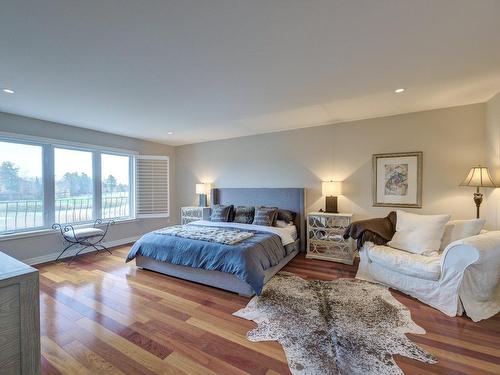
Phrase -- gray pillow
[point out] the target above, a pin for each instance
(244, 215)
(265, 216)
(286, 215)
(221, 213)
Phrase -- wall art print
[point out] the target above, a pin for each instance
(397, 179)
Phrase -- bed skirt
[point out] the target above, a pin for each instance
(213, 278)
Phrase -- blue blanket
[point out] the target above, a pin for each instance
(248, 260)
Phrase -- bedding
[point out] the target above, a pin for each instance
(194, 232)
(285, 234)
(248, 260)
(292, 229)
(282, 224)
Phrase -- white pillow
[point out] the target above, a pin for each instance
(418, 234)
(459, 229)
(282, 224)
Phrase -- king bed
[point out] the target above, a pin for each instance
(242, 257)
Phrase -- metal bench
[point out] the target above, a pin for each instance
(85, 237)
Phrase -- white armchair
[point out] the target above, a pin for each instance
(464, 277)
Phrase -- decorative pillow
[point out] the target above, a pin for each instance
(271, 208)
(264, 216)
(221, 213)
(286, 215)
(459, 229)
(243, 214)
(418, 234)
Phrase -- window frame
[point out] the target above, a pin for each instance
(48, 178)
(29, 143)
(131, 183)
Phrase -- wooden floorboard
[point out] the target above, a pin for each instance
(100, 315)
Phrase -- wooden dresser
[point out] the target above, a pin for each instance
(19, 318)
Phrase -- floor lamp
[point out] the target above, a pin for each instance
(478, 177)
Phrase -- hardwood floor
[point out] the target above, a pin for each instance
(102, 316)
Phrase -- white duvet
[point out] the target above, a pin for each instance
(288, 235)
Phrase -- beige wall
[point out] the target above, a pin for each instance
(452, 141)
(492, 201)
(43, 245)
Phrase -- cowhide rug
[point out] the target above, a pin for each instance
(344, 326)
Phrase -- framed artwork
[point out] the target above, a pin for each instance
(397, 180)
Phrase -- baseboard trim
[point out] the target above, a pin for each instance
(53, 256)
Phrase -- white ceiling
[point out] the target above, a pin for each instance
(212, 69)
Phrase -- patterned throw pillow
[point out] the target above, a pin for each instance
(265, 216)
(243, 214)
(221, 213)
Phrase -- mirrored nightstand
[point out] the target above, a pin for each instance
(189, 214)
(325, 240)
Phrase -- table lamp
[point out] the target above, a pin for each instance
(330, 190)
(201, 190)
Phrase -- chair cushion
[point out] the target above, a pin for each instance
(83, 233)
(420, 266)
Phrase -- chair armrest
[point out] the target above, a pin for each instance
(483, 249)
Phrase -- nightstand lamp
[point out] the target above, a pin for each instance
(478, 177)
(202, 191)
(331, 189)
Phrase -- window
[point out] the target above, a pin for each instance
(73, 186)
(115, 177)
(21, 186)
(43, 183)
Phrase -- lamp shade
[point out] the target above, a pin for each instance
(201, 188)
(478, 177)
(331, 188)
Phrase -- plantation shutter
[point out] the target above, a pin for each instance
(152, 186)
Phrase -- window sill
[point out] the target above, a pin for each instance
(47, 231)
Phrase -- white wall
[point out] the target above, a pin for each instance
(492, 202)
(451, 139)
(41, 246)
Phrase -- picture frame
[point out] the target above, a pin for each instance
(397, 179)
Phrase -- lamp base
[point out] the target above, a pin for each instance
(478, 199)
(202, 200)
(331, 205)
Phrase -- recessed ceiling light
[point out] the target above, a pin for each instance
(399, 91)
(8, 91)
(170, 133)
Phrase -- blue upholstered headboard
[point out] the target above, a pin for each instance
(292, 199)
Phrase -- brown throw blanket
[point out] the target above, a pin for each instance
(378, 230)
